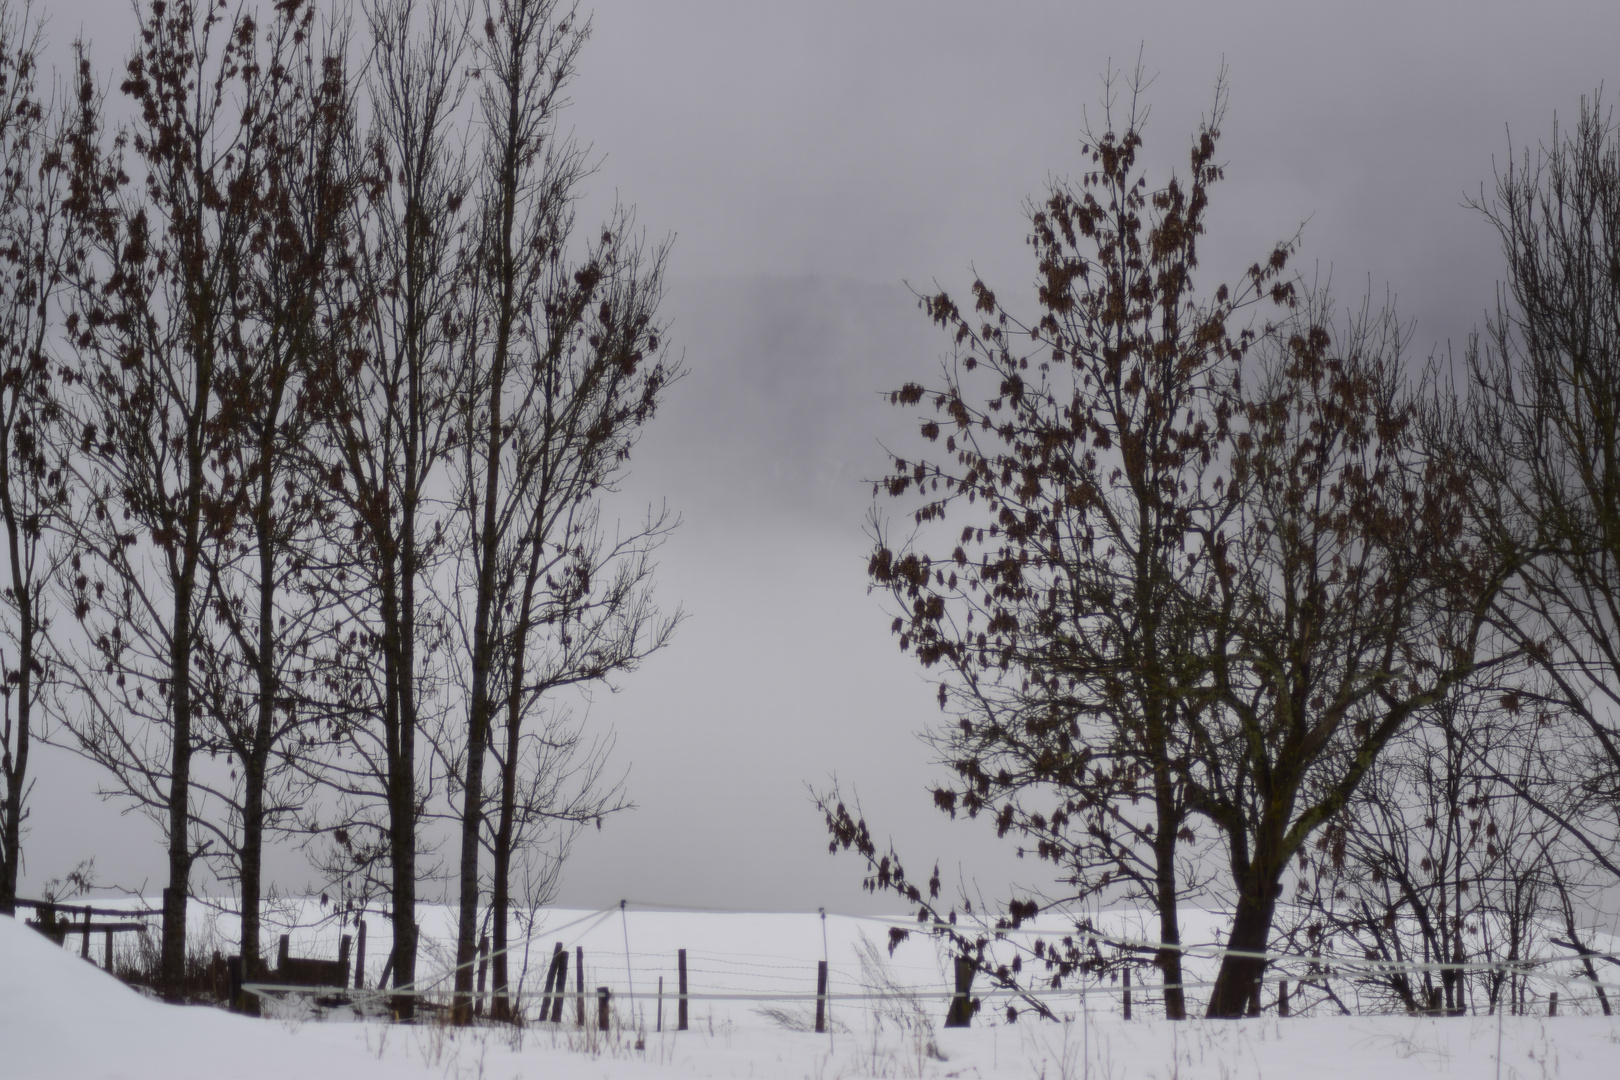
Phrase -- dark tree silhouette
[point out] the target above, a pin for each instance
(1546, 450)
(386, 422)
(564, 366)
(1349, 598)
(254, 675)
(1081, 456)
(36, 242)
(157, 321)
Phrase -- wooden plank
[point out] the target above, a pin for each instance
(47, 905)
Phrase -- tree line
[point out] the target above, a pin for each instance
(313, 386)
(1230, 599)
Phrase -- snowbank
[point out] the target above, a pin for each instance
(63, 1017)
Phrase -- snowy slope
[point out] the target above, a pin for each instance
(62, 1017)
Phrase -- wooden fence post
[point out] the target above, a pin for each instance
(1127, 993)
(821, 997)
(551, 984)
(233, 972)
(1282, 998)
(556, 985)
(109, 951)
(281, 955)
(551, 1008)
(84, 947)
(388, 968)
(360, 958)
(602, 995)
(960, 1013)
(1552, 1003)
(579, 985)
(660, 1003)
(559, 957)
(680, 1008)
(343, 958)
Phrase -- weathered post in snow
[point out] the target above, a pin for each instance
(579, 985)
(562, 985)
(233, 972)
(960, 1014)
(360, 958)
(821, 997)
(602, 995)
(680, 1008)
(1127, 993)
(551, 985)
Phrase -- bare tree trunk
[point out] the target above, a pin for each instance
(179, 838)
(256, 762)
(400, 723)
(501, 886)
(1168, 959)
(1240, 976)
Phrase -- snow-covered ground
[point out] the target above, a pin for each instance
(62, 1017)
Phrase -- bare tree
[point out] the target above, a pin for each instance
(35, 244)
(254, 676)
(1547, 453)
(1401, 876)
(564, 364)
(386, 424)
(1350, 599)
(158, 313)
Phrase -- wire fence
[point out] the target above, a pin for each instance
(761, 978)
(637, 960)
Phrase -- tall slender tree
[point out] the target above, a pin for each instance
(36, 242)
(256, 669)
(158, 317)
(1546, 451)
(564, 364)
(386, 424)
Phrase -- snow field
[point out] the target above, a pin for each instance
(61, 1017)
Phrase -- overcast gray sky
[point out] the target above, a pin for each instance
(811, 158)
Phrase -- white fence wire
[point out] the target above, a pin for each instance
(770, 959)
